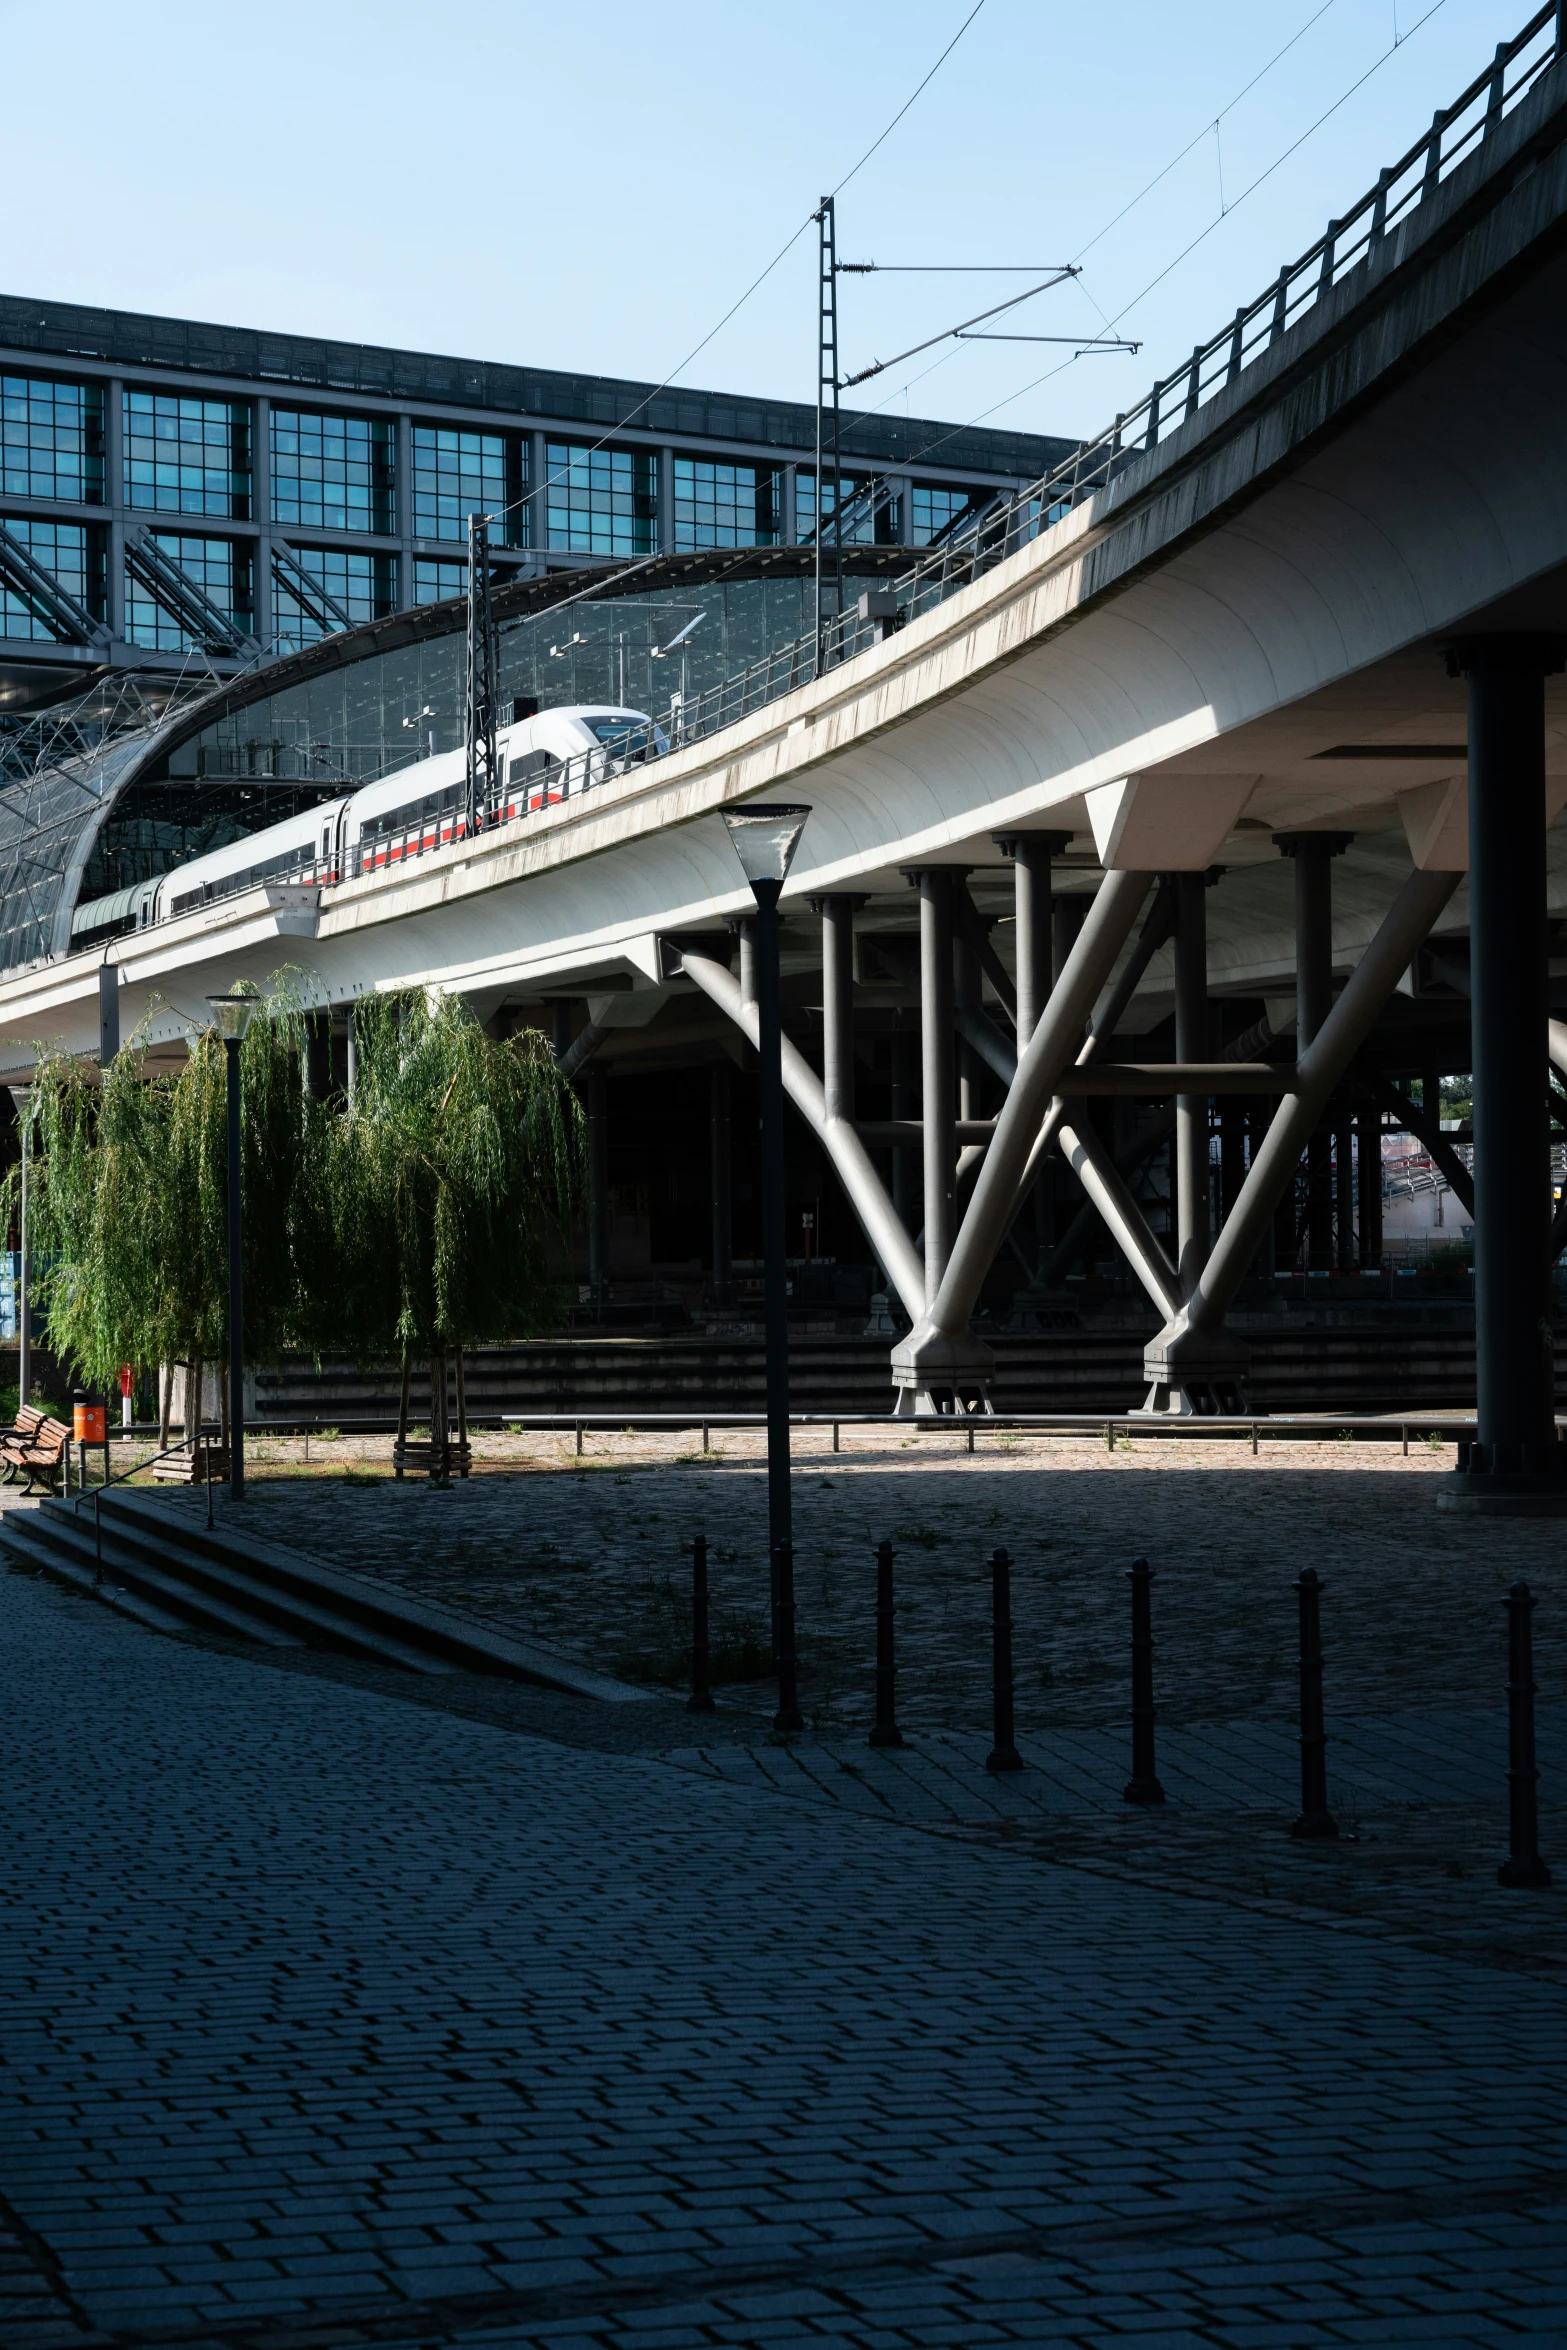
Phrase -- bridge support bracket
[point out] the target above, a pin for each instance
(940, 1371)
(1195, 1374)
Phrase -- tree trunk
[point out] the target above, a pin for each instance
(402, 1413)
(440, 1463)
(165, 1406)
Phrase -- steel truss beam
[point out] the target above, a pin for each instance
(851, 1161)
(1191, 1351)
(170, 585)
(22, 571)
(940, 1357)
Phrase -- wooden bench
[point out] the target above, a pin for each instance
(35, 1444)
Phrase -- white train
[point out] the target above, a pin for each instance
(541, 759)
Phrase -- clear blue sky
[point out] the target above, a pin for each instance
(592, 186)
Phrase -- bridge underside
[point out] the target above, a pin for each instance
(1152, 872)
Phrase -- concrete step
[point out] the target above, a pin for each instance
(161, 1562)
(1348, 1361)
(136, 1585)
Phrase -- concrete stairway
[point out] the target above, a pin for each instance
(160, 1564)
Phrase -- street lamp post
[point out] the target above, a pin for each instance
(233, 1014)
(765, 839)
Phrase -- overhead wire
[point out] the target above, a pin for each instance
(1148, 187)
(761, 279)
(1127, 307)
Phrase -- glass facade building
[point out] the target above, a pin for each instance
(221, 568)
(434, 581)
(456, 474)
(333, 472)
(187, 456)
(362, 586)
(718, 505)
(936, 507)
(73, 553)
(51, 440)
(601, 501)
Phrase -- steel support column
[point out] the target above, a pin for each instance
(1192, 1234)
(722, 1186)
(598, 1188)
(1187, 1344)
(1344, 1191)
(1369, 1179)
(1033, 946)
(938, 1081)
(851, 1162)
(940, 1355)
(1312, 854)
(837, 915)
(905, 1105)
(1515, 1464)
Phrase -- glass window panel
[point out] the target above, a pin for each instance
(861, 531)
(73, 552)
(726, 505)
(219, 567)
(937, 507)
(602, 501)
(365, 586)
(51, 440)
(434, 582)
(333, 472)
(187, 456)
(461, 473)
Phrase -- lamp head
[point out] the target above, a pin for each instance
(233, 1013)
(765, 838)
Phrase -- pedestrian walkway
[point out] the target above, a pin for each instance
(325, 2005)
(1443, 1756)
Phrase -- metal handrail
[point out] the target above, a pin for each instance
(96, 1493)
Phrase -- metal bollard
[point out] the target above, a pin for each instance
(1109, 1436)
(207, 1456)
(1143, 1786)
(1254, 1440)
(1003, 1755)
(1315, 1818)
(706, 1447)
(788, 1717)
(885, 1731)
(835, 1436)
(971, 1436)
(700, 1700)
(97, 1532)
(579, 1440)
(66, 1467)
(1523, 1865)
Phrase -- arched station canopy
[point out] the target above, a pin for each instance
(114, 791)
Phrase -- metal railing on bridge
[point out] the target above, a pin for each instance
(1003, 527)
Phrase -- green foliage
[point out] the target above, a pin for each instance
(423, 1215)
(457, 1164)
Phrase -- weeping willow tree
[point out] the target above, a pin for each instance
(130, 1199)
(454, 1175)
(426, 1215)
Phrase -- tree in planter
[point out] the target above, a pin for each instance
(456, 1171)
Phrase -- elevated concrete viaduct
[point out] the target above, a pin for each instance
(1310, 632)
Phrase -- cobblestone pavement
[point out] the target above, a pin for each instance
(335, 2018)
(592, 1560)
